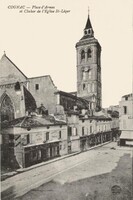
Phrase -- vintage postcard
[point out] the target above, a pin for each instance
(66, 100)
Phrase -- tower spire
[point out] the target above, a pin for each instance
(88, 11)
(88, 28)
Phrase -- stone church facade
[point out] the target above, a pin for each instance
(15, 99)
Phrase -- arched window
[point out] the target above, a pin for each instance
(7, 110)
(89, 53)
(82, 55)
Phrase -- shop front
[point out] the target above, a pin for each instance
(34, 154)
(83, 143)
(91, 140)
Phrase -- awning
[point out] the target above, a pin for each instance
(32, 145)
(52, 141)
(127, 135)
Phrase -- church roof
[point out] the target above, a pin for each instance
(9, 72)
(6, 57)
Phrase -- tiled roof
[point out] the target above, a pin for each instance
(98, 118)
(33, 121)
(80, 102)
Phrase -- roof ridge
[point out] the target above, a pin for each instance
(15, 65)
(38, 76)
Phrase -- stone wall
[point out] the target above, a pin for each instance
(43, 89)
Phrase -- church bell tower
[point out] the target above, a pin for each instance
(89, 67)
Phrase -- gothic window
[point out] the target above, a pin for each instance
(89, 53)
(7, 110)
(82, 55)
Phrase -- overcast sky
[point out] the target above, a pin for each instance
(41, 44)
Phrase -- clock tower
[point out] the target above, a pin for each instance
(89, 68)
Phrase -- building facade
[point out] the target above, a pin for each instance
(94, 130)
(126, 120)
(85, 127)
(43, 89)
(31, 140)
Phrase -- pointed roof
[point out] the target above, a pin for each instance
(88, 23)
(9, 72)
(6, 57)
(88, 31)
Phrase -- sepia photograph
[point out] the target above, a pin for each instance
(66, 100)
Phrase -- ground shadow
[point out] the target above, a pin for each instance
(8, 194)
(93, 188)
